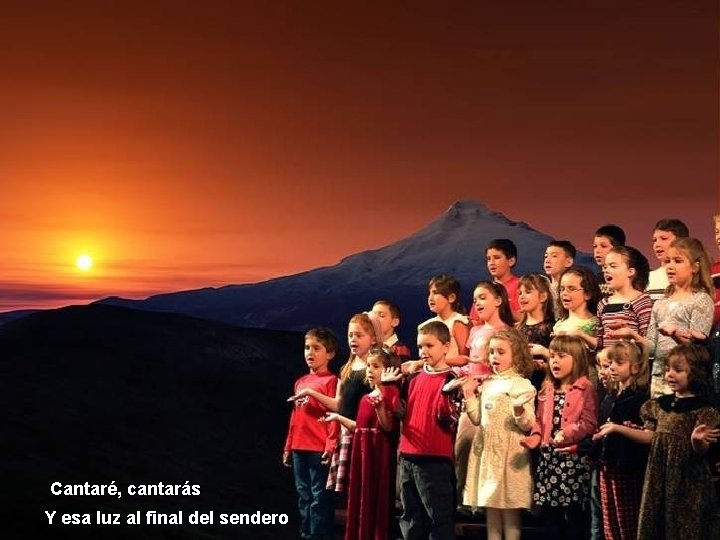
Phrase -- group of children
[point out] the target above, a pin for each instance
(593, 407)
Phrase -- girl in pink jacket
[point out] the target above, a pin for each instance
(566, 413)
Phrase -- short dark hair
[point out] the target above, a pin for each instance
(566, 246)
(325, 336)
(505, 245)
(392, 308)
(675, 226)
(613, 233)
(437, 329)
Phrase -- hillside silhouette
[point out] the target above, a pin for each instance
(454, 244)
(101, 393)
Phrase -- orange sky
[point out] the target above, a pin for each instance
(185, 146)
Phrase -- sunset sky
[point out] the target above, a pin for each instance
(186, 144)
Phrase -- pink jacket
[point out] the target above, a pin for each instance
(579, 416)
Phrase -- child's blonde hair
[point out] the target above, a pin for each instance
(695, 252)
(628, 350)
(575, 347)
(370, 324)
(519, 348)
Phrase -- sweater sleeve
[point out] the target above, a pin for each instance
(587, 423)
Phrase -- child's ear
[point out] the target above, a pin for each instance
(543, 297)
(512, 261)
(569, 262)
(331, 355)
(452, 297)
(395, 322)
(631, 272)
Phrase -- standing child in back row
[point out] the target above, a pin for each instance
(444, 301)
(389, 316)
(606, 238)
(626, 274)
(685, 312)
(501, 256)
(308, 442)
(559, 256)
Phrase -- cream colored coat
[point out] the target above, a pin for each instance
(499, 467)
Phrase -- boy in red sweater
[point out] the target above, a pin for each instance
(309, 441)
(427, 473)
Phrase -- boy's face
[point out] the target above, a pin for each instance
(388, 323)
(432, 350)
(601, 246)
(556, 260)
(661, 241)
(499, 266)
(317, 356)
(717, 233)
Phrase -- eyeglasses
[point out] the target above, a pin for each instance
(570, 289)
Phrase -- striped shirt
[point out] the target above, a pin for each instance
(634, 315)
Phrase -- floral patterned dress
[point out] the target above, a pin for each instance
(678, 499)
(562, 479)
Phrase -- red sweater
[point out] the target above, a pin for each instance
(306, 432)
(428, 411)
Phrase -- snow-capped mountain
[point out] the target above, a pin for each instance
(452, 244)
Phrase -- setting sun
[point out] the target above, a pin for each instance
(84, 262)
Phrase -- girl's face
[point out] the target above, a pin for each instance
(679, 269)
(616, 271)
(561, 365)
(530, 298)
(437, 302)
(677, 376)
(572, 295)
(661, 241)
(500, 355)
(359, 340)
(373, 371)
(621, 370)
(717, 233)
(486, 303)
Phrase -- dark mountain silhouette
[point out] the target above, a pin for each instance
(452, 244)
(101, 393)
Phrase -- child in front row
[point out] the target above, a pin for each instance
(307, 443)
(427, 478)
(678, 500)
(503, 406)
(371, 488)
(566, 413)
(622, 459)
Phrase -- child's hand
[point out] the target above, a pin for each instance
(667, 329)
(286, 459)
(302, 393)
(325, 458)
(470, 386)
(329, 417)
(538, 350)
(620, 331)
(705, 435)
(558, 439)
(375, 398)
(605, 430)
(411, 366)
(390, 374)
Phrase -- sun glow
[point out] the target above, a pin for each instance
(84, 262)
